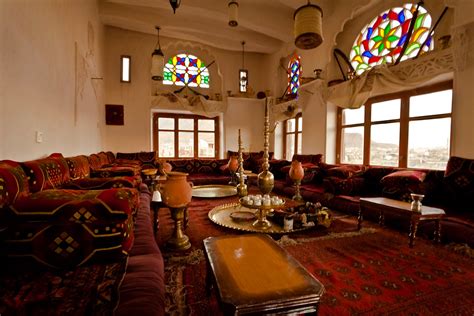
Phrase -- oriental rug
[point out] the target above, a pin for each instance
(86, 290)
(371, 272)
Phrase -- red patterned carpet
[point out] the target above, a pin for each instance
(372, 273)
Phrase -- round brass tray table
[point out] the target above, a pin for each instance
(221, 215)
(214, 191)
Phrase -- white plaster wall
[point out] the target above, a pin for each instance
(462, 143)
(38, 78)
(135, 135)
(248, 115)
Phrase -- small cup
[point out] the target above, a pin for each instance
(288, 223)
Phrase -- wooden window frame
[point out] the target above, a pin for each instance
(122, 57)
(296, 132)
(404, 121)
(176, 131)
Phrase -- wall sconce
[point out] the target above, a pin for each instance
(175, 4)
(308, 26)
(157, 60)
(243, 74)
(233, 13)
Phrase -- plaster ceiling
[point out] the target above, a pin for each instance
(265, 25)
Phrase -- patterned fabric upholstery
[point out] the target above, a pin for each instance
(94, 161)
(276, 166)
(78, 167)
(115, 171)
(104, 159)
(103, 183)
(110, 156)
(66, 228)
(147, 159)
(182, 165)
(13, 182)
(209, 165)
(345, 171)
(459, 180)
(314, 159)
(47, 173)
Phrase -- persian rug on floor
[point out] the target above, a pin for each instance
(372, 272)
(86, 290)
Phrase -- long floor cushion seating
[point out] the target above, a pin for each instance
(340, 187)
(203, 171)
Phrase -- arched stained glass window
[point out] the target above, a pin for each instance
(185, 69)
(294, 74)
(381, 40)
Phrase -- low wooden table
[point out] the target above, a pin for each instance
(254, 275)
(384, 205)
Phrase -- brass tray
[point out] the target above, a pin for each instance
(220, 215)
(214, 191)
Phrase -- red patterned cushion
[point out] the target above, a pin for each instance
(110, 156)
(352, 186)
(127, 162)
(182, 165)
(459, 180)
(65, 228)
(104, 159)
(209, 165)
(275, 167)
(46, 173)
(147, 159)
(78, 167)
(345, 171)
(403, 177)
(103, 183)
(13, 182)
(314, 159)
(115, 171)
(94, 161)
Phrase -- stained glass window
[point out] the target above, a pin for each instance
(294, 73)
(184, 69)
(381, 41)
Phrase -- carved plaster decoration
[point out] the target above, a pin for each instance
(463, 45)
(195, 104)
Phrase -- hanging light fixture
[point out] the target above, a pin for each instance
(243, 74)
(233, 13)
(157, 60)
(175, 4)
(308, 26)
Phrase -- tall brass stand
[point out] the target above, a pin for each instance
(241, 187)
(266, 179)
(178, 241)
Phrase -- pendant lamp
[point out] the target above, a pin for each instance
(308, 26)
(243, 74)
(233, 13)
(157, 60)
(175, 4)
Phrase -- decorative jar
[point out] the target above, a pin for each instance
(176, 190)
(416, 202)
(296, 170)
(233, 164)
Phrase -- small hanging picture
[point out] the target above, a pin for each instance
(114, 114)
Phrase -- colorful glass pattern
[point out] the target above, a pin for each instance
(294, 73)
(184, 69)
(381, 41)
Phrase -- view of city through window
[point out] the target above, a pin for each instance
(180, 133)
(428, 130)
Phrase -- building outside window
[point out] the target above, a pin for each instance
(409, 129)
(185, 136)
(293, 136)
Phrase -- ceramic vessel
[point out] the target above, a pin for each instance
(233, 164)
(296, 170)
(176, 190)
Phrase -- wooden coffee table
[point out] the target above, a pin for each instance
(384, 205)
(254, 275)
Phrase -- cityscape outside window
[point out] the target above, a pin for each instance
(410, 129)
(185, 136)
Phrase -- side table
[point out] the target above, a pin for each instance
(385, 205)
